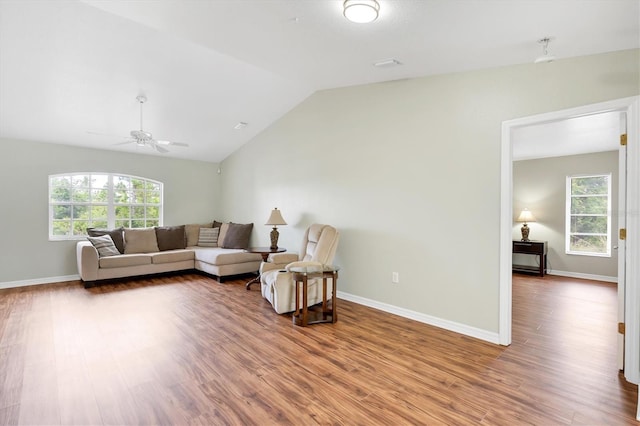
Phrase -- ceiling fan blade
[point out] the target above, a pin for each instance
(124, 143)
(171, 143)
(160, 149)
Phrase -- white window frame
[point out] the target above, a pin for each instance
(110, 204)
(568, 233)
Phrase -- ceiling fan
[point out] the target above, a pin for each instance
(143, 138)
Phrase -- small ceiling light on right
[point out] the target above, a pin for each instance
(361, 11)
(545, 51)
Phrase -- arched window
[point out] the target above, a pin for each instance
(78, 201)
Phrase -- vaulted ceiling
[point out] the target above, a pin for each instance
(70, 71)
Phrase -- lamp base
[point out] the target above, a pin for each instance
(525, 232)
(274, 238)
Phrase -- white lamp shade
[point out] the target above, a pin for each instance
(275, 218)
(526, 216)
(361, 11)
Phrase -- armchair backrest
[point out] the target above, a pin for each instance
(320, 243)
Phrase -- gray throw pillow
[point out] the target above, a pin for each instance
(117, 235)
(171, 237)
(238, 236)
(104, 245)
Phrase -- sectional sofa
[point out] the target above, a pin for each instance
(217, 249)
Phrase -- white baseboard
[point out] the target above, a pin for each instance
(583, 276)
(423, 318)
(37, 281)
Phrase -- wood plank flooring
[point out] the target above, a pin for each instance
(186, 350)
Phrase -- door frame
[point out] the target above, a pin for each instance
(631, 106)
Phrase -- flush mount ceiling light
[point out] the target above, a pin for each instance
(361, 11)
(545, 53)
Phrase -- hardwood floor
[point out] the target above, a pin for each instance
(187, 350)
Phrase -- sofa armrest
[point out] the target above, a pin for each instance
(88, 261)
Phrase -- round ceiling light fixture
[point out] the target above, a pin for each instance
(361, 11)
(545, 53)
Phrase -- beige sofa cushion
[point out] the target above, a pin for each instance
(171, 256)
(125, 260)
(220, 256)
(140, 240)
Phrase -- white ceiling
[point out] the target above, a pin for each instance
(72, 67)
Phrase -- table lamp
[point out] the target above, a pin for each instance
(275, 219)
(525, 216)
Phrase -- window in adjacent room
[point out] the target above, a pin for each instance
(79, 201)
(588, 221)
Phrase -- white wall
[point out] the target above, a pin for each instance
(409, 171)
(191, 194)
(540, 186)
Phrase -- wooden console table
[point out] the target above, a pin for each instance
(536, 248)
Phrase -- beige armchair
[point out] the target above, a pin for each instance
(318, 247)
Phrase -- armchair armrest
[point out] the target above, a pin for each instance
(283, 258)
(309, 264)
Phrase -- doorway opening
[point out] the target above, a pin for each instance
(631, 301)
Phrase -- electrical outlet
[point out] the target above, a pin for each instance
(395, 277)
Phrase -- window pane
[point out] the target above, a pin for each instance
(138, 223)
(121, 196)
(137, 212)
(153, 186)
(100, 181)
(121, 182)
(80, 212)
(153, 197)
(61, 212)
(590, 185)
(99, 195)
(80, 196)
(61, 189)
(153, 212)
(589, 224)
(589, 243)
(123, 212)
(151, 223)
(98, 212)
(80, 181)
(589, 205)
(80, 227)
(138, 196)
(61, 227)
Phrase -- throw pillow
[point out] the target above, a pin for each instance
(140, 240)
(105, 246)
(238, 236)
(217, 224)
(116, 235)
(171, 237)
(193, 232)
(208, 237)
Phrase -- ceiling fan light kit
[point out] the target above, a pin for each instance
(545, 58)
(361, 11)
